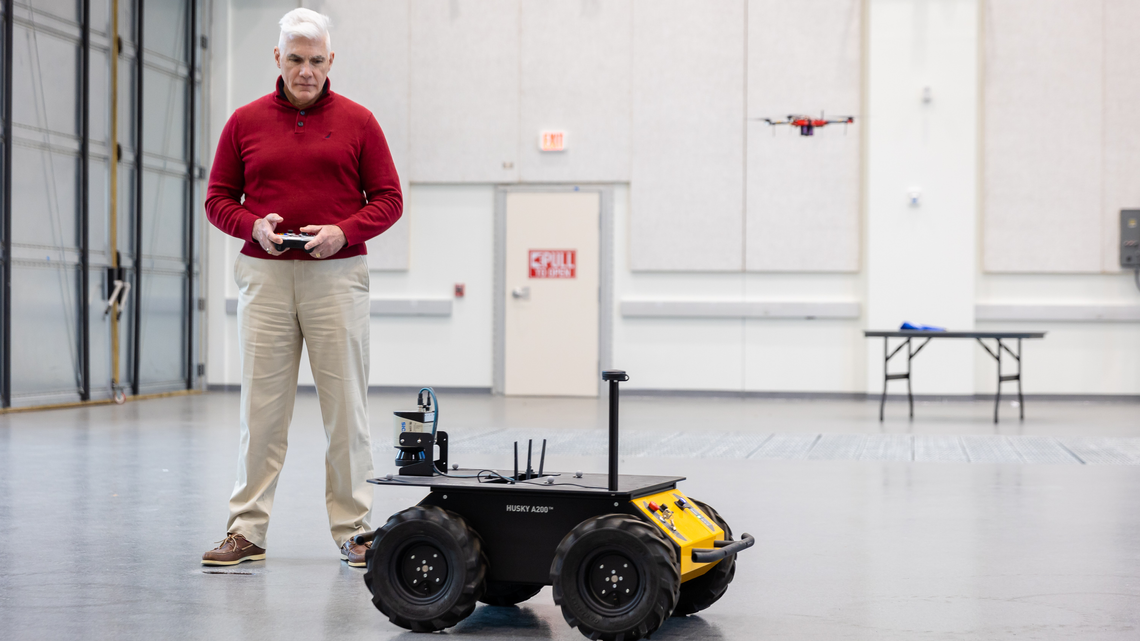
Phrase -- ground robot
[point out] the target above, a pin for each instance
(622, 552)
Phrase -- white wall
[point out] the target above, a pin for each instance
(1062, 144)
(1061, 158)
(464, 69)
(583, 90)
(458, 107)
(452, 230)
(1074, 357)
(688, 135)
(921, 260)
(733, 354)
(804, 209)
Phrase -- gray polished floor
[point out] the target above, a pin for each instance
(104, 512)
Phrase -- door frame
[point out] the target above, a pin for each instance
(605, 274)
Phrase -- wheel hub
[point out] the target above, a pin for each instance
(612, 580)
(422, 570)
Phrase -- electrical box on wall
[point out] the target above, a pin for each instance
(1130, 238)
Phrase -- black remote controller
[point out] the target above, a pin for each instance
(291, 240)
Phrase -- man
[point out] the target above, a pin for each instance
(308, 160)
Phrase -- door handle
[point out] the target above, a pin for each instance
(118, 295)
(521, 292)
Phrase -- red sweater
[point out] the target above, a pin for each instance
(326, 165)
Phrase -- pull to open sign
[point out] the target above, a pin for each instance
(553, 263)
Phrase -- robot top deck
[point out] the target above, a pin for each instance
(629, 486)
(417, 467)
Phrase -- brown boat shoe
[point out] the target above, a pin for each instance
(354, 553)
(232, 550)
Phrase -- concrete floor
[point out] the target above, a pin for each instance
(105, 511)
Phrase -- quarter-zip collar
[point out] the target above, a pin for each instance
(283, 100)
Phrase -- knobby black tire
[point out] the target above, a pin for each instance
(504, 594)
(703, 591)
(462, 550)
(655, 561)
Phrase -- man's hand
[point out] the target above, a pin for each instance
(327, 240)
(264, 235)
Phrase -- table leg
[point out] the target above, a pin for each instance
(1020, 398)
(909, 394)
(997, 396)
(886, 360)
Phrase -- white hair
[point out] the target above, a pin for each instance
(304, 23)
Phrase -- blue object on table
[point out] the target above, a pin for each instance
(921, 328)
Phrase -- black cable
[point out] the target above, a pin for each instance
(587, 487)
(453, 476)
(396, 478)
(435, 407)
(544, 483)
(478, 475)
(492, 474)
(505, 479)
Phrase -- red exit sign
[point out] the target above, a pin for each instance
(552, 141)
(553, 263)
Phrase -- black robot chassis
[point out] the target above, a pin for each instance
(622, 552)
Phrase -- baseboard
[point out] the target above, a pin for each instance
(687, 393)
(868, 396)
(1006, 396)
(804, 396)
(412, 389)
(372, 389)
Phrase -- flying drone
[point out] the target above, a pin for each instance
(807, 124)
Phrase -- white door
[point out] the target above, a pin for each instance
(551, 320)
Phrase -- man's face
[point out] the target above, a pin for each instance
(304, 66)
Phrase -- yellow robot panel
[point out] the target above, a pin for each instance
(685, 524)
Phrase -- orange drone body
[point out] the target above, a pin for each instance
(807, 124)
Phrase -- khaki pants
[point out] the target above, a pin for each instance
(325, 305)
